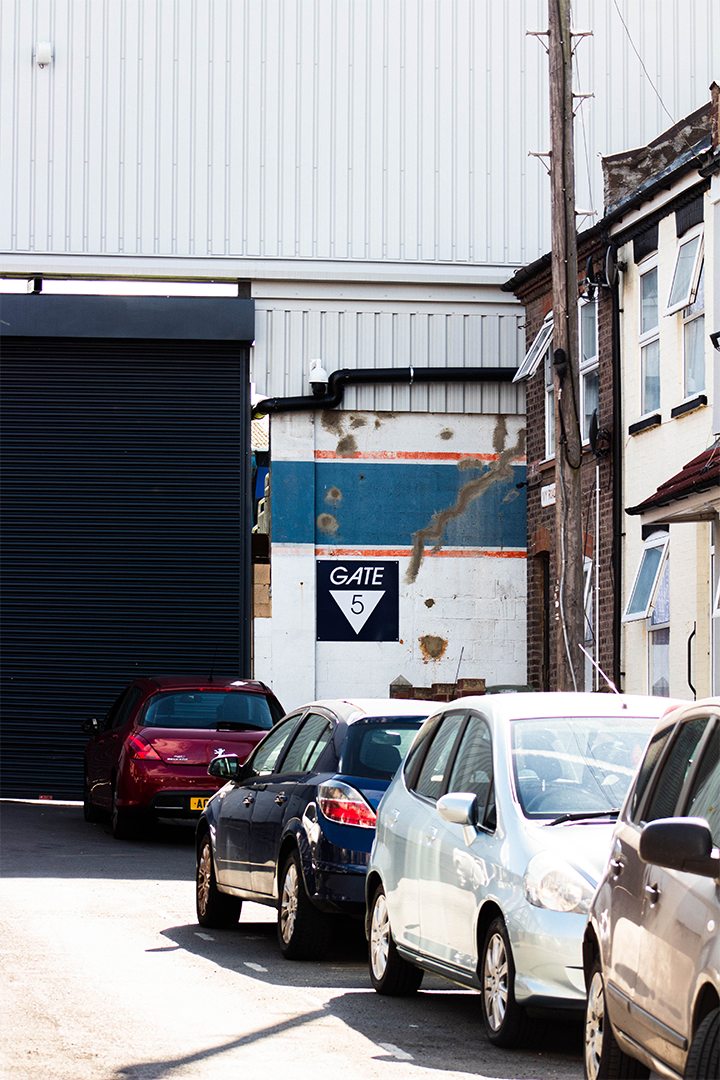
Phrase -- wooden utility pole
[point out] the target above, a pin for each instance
(569, 606)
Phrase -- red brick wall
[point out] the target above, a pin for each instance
(541, 616)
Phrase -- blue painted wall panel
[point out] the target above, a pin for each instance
(367, 504)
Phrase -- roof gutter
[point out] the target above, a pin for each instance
(331, 394)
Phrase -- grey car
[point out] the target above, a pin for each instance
(490, 842)
(651, 949)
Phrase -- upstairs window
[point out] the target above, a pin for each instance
(549, 402)
(694, 341)
(589, 383)
(686, 272)
(649, 342)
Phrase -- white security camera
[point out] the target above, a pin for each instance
(318, 378)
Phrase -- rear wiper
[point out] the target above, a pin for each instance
(587, 816)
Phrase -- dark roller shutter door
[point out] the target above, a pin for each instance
(124, 535)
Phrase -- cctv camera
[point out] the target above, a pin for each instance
(318, 378)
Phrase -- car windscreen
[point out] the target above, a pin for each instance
(576, 764)
(375, 748)
(229, 710)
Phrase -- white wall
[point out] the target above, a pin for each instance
(377, 130)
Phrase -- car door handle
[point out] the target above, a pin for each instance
(281, 798)
(653, 893)
(249, 800)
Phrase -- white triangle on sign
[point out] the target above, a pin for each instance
(357, 607)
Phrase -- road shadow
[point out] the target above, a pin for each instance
(52, 840)
(444, 1016)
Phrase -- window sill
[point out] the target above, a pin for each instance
(645, 424)
(697, 402)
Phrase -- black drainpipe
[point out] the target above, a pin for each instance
(379, 376)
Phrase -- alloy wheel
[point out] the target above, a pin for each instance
(495, 981)
(379, 936)
(289, 902)
(203, 877)
(594, 1026)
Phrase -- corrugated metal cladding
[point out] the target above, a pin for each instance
(321, 129)
(288, 337)
(122, 495)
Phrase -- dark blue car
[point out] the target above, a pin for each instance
(294, 825)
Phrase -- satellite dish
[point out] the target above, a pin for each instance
(611, 266)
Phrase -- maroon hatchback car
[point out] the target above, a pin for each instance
(149, 756)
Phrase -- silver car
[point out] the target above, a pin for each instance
(652, 948)
(490, 842)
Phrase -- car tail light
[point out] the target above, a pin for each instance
(344, 804)
(138, 748)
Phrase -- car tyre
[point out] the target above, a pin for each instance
(215, 910)
(506, 1022)
(703, 1061)
(603, 1059)
(123, 823)
(90, 811)
(303, 932)
(389, 973)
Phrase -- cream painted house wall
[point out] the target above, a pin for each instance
(652, 456)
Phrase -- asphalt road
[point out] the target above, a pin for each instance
(107, 976)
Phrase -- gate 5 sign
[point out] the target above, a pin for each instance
(357, 601)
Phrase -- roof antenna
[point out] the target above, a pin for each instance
(458, 670)
(212, 666)
(610, 683)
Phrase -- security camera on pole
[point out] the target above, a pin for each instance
(569, 613)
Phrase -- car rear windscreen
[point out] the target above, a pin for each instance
(375, 748)
(219, 709)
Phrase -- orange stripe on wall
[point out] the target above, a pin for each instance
(405, 553)
(406, 455)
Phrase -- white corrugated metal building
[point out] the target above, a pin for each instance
(365, 165)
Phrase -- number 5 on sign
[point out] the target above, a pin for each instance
(357, 607)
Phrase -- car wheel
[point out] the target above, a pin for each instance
(506, 1022)
(389, 973)
(703, 1062)
(214, 909)
(604, 1060)
(303, 932)
(90, 811)
(124, 824)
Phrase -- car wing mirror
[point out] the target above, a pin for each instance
(460, 808)
(680, 844)
(225, 767)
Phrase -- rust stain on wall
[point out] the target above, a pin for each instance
(326, 523)
(500, 469)
(334, 495)
(357, 421)
(447, 433)
(347, 447)
(429, 603)
(332, 421)
(432, 647)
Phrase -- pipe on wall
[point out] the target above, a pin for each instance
(338, 380)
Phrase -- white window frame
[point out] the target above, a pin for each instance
(549, 377)
(536, 352)
(685, 298)
(654, 628)
(687, 320)
(587, 366)
(647, 337)
(657, 540)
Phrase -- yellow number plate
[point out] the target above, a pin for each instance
(199, 804)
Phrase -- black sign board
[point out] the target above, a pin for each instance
(357, 601)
